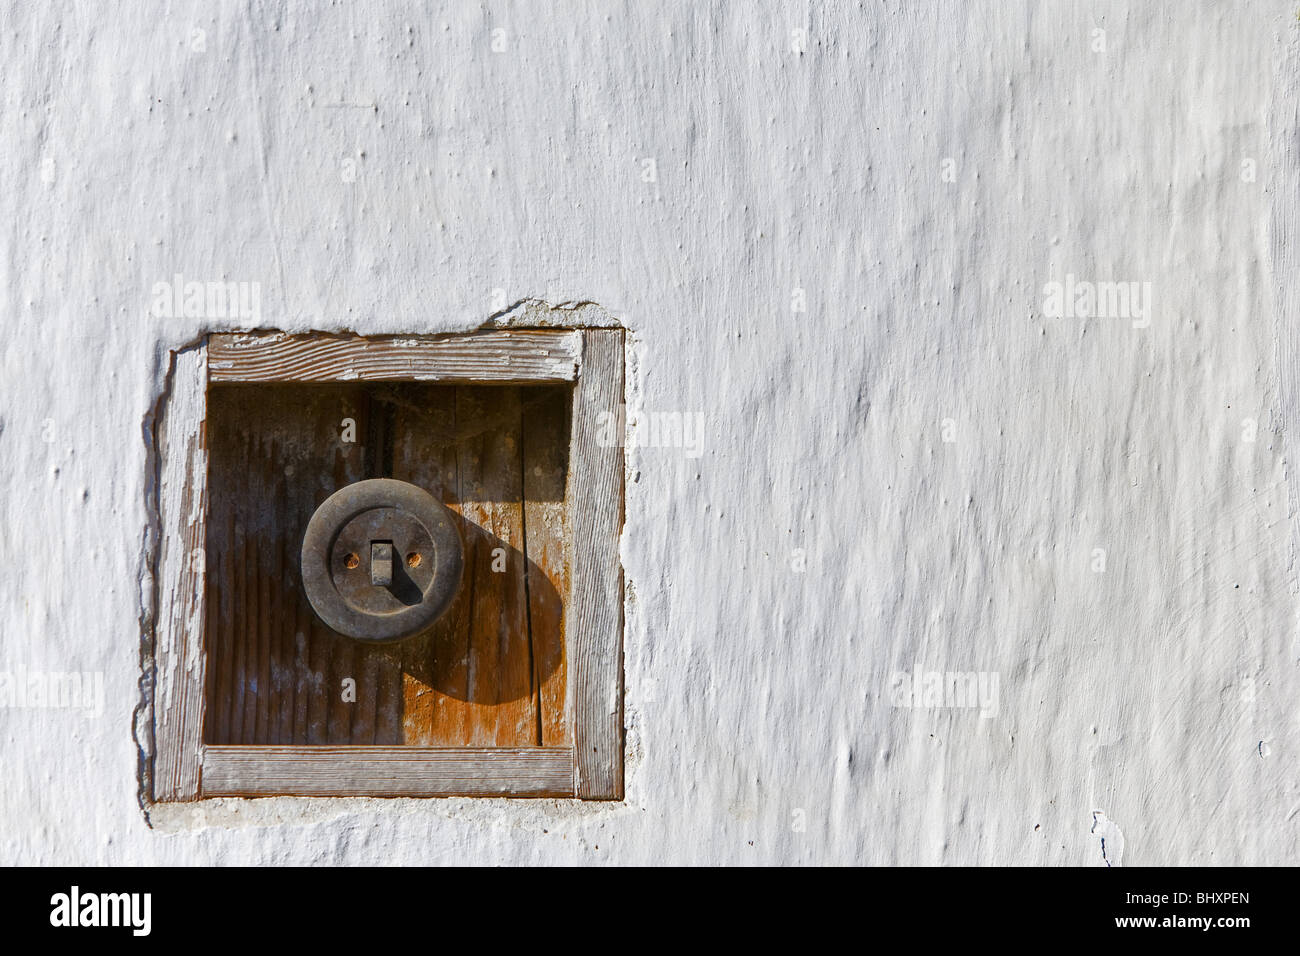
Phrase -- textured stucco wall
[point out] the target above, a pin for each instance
(382, 168)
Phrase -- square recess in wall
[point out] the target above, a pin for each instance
(517, 687)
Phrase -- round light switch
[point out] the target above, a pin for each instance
(381, 560)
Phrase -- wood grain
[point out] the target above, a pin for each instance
(545, 473)
(387, 771)
(435, 665)
(596, 591)
(471, 681)
(494, 356)
(502, 700)
(181, 573)
(275, 455)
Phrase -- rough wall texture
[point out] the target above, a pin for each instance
(834, 245)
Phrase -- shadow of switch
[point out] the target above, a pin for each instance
(503, 634)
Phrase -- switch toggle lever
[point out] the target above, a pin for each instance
(381, 564)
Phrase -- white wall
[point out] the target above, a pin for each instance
(1153, 703)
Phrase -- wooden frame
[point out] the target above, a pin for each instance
(184, 768)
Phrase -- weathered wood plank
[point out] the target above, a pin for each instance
(302, 696)
(494, 356)
(596, 589)
(501, 700)
(435, 665)
(387, 771)
(275, 454)
(546, 467)
(220, 640)
(182, 568)
(378, 712)
(469, 681)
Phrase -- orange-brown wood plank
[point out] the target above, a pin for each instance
(545, 470)
(502, 696)
(469, 681)
(435, 680)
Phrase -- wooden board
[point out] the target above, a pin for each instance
(497, 356)
(387, 771)
(502, 699)
(546, 467)
(435, 666)
(279, 672)
(278, 675)
(475, 678)
(596, 596)
(182, 564)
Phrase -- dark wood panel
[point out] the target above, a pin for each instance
(479, 678)
(276, 454)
